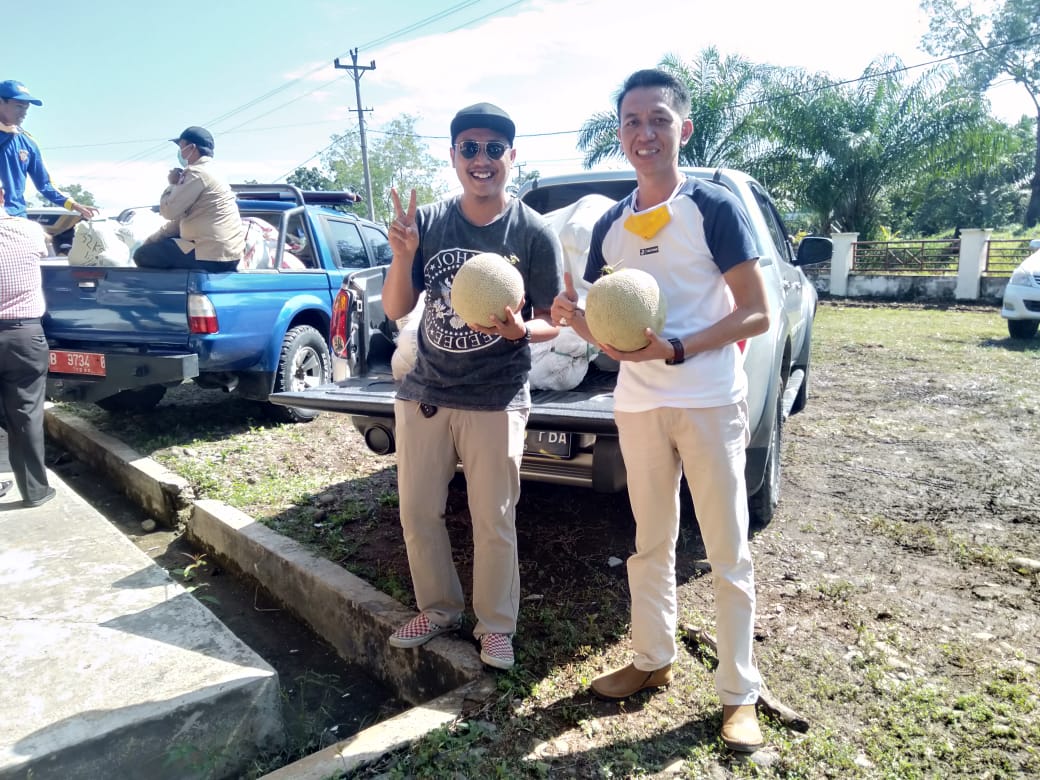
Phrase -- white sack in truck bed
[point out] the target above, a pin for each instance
(98, 242)
(561, 364)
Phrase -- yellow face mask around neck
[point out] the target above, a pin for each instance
(647, 224)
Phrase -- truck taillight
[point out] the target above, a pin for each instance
(202, 317)
(340, 325)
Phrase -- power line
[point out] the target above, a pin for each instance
(157, 148)
(462, 6)
(892, 72)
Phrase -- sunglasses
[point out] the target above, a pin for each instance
(493, 149)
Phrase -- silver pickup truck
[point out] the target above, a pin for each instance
(571, 436)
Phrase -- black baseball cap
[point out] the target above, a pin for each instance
(199, 136)
(483, 115)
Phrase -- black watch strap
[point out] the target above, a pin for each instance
(680, 353)
(525, 338)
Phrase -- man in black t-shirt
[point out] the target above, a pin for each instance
(467, 399)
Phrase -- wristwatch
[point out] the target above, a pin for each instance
(524, 338)
(680, 353)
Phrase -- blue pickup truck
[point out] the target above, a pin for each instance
(120, 336)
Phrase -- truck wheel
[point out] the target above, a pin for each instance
(130, 401)
(762, 504)
(1022, 329)
(304, 363)
(803, 391)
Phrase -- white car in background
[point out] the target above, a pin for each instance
(1021, 306)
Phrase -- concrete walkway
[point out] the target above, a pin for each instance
(109, 667)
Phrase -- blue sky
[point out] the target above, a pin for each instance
(119, 77)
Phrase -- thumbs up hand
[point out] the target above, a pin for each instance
(565, 303)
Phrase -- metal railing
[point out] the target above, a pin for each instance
(1004, 254)
(932, 257)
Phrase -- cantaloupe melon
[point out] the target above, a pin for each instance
(484, 285)
(620, 307)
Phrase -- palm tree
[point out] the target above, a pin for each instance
(1003, 42)
(725, 111)
(843, 149)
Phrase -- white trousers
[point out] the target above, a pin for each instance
(490, 446)
(709, 444)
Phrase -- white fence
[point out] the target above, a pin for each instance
(969, 281)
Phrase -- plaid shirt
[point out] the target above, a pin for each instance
(22, 244)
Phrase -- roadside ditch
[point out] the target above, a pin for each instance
(347, 699)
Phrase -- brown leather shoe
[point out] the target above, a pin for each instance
(622, 683)
(740, 731)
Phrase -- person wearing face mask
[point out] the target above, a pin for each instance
(204, 230)
(20, 157)
(681, 401)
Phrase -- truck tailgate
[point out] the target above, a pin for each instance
(91, 304)
(589, 408)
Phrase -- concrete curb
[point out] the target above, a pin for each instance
(350, 614)
(392, 734)
(165, 496)
(441, 677)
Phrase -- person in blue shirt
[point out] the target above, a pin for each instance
(20, 157)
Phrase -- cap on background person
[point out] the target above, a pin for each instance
(199, 136)
(16, 90)
(483, 115)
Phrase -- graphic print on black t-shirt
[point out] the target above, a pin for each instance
(444, 329)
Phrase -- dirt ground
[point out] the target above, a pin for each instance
(897, 590)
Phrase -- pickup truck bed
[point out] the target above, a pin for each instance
(571, 435)
(120, 335)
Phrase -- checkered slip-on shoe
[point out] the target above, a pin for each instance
(419, 630)
(497, 650)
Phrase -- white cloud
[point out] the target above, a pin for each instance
(552, 65)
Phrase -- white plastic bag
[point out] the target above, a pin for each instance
(560, 364)
(135, 225)
(403, 359)
(573, 224)
(563, 362)
(98, 242)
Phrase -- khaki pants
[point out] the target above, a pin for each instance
(490, 446)
(709, 443)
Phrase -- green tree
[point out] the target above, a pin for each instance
(74, 191)
(310, 179)
(1003, 42)
(397, 157)
(725, 111)
(844, 150)
(521, 178)
(994, 197)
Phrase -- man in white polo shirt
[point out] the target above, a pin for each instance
(680, 402)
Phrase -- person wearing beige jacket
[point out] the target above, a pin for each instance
(204, 230)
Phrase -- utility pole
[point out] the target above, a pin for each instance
(357, 71)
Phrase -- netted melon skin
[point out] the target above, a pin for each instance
(622, 305)
(486, 283)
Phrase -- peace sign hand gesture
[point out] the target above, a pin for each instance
(404, 236)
